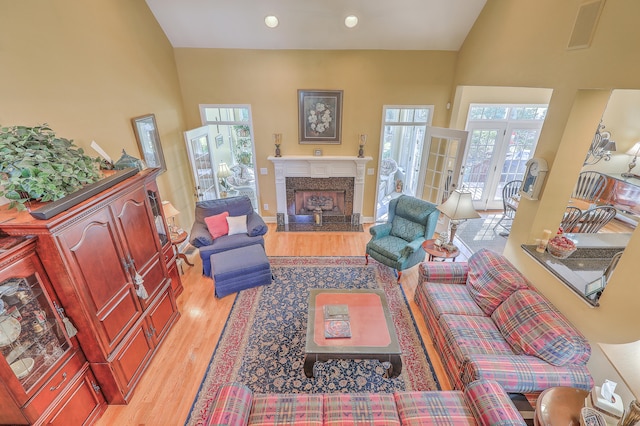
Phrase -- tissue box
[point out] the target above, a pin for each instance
(611, 410)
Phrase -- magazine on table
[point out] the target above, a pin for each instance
(336, 322)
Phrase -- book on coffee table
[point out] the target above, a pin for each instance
(336, 322)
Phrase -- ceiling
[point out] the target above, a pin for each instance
(317, 24)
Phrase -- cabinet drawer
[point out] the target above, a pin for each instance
(55, 386)
(80, 404)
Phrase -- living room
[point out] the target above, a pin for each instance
(87, 69)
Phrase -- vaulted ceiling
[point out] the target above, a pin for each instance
(317, 24)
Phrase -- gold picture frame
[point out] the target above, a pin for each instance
(146, 131)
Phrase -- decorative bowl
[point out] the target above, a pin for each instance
(561, 247)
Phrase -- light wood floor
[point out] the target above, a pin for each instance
(168, 387)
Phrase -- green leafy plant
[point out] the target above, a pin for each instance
(36, 164)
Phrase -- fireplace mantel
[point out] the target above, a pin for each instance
(319, 167)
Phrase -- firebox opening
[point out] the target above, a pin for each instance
(330, 202)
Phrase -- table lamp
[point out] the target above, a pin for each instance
(223, 173)
(633, 151)
(458, 208)
(170, 214)
(625, 358)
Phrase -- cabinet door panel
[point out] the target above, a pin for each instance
(162, 315)
(138, 230)
(130, 361)
(96, 253)
(97, 259)
(154, 279)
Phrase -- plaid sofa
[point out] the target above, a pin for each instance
(488, 322)
(482, 403)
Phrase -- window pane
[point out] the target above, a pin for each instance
(392, 114)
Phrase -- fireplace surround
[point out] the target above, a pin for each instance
(319, 174)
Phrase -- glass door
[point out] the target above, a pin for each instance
(502, 139)
(403, 137)
(200, 150)
(233, 149)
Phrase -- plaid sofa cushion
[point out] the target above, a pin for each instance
(286, 409)
(524, 373)
(533, 326)
(232, 405)
(492, 278)
(465, 335)
(450, 299)
(360, 409)
(491, 404)
(433, 408)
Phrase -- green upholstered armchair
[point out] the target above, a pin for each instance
(398, 243)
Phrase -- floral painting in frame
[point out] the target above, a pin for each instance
(320, 116)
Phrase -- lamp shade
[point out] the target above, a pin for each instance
(634, 150)
(459, 206)
(223, 171)
(625, 358)
(169, 210)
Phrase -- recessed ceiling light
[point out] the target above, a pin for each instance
(271, 21)
(351, 21)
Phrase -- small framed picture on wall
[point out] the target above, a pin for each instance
(146, 132)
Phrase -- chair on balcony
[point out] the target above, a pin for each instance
(589, 187)
(509, 194)
(398, 242)
(592, 220)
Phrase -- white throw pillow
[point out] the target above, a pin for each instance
(237, 224)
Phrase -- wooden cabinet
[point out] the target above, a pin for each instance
(108, 260)
(39, 363)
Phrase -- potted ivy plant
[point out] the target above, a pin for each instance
(35, 164)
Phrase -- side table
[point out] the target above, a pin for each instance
(179, 238)
(436, 252)
(559, 406)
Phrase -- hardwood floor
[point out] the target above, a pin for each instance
(167, 389)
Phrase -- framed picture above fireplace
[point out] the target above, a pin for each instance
(320, 116)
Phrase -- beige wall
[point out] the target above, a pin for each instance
(269, 80)
(87, 68)
(523, 44)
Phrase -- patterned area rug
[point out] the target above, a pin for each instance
(262, 344)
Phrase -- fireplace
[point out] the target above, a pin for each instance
(334, 196)
(337, 180)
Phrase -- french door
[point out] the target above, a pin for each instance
(502, 139)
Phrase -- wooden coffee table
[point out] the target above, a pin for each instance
(373, 334)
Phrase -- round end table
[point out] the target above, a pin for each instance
(559, 406)
(436, 252)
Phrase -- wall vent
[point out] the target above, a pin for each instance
(585, 24)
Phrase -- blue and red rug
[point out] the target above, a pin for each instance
(262, 344)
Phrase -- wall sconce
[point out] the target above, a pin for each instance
(601, 147)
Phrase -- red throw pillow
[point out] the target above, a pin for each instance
(217, 224)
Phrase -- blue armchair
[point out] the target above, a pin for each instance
(236, 206)
(398, 243)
